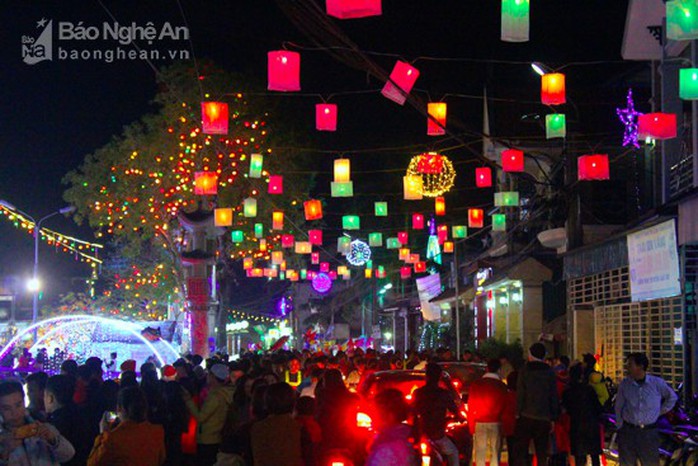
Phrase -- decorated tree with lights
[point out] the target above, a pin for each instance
(132, 190)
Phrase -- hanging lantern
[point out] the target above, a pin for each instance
(380, 209)
(271, 273)
(657, 125)
(326, 117)
(448, 247)
(342, 170)
(515, 20)
(205, 183)
(437, 111)
(223, 217)
(555, 126)
(506, 199)
(392, 243)
(368, 273)
(440, 206)
(688, 83)
(459, 231)
(303, 247)
(292, 275)
(593, 167)
(375, 240)
(417, 221)
(420, 267)
(682, 20)
(405, 272)
(351, 222)
(315, 258)
(247, 263)
(255, 273)
(499, 222)
(324, 267)
(483, 177)
(435, 170)
(345, 189)
(276, 184)
(512, 160)
(342, 270)
(277, 257)
(304, 274)
(284, 71)
(262, 245)
(402, 237)
(250, 207)
(401, 81)
(237, 236)
(350, 9)
(403, 254)
(343, 245)
(332, 274)
(214, 117)
(287, 241)
(412, 187)
(442, 233)
(256, 164)
(315, 237)
(476, 218)
(313, 209)
(413, 259)
(552, 90)
(259, 230)
(380, 272)
(277, 220)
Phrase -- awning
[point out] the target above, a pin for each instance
(449, 296)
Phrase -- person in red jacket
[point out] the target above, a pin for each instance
(486, 403)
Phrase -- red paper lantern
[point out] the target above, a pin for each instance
(512, 160)
(405, 272)
(205, 183)
(402, 237)
(420, 267)
(326, 117)
(436, 111)
(476, 218)
(657, 125)
(214, 117)
(332, 274)
(313, 209)
(287, 241)
(442, 233)
(417, 221)
(401, 81)
(324, 267)
(350, 9)
(284, 71)
(593, 167)
(552, 91)
(483, 177)
(315, 237)
(276, 184)
(440, 206)
(315, 258)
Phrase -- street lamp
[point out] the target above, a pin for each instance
(539, 68)
(34, 284)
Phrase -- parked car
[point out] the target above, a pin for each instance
(463, 374)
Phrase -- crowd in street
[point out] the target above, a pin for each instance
(300, 408)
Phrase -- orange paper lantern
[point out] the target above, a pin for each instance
(284, 71)
(223, 217)
(440, 206)
(437, 111)
(205, 183)
(403, 254)
(420, 267)
(448, 247)
(277, 220)
(214, 117)
(247, 263)
(313, 209)
(401, 81)
(552, 89)
(326, 117)
(476, 218)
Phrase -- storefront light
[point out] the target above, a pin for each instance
(516, 297)
(503, 300)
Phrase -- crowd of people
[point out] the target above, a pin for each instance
(300, 408)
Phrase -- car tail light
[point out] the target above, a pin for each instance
(426, 456)
(456, 384)
(424, 448)
(337, 463)
(363, 420)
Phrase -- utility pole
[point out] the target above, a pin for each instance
(456, 287)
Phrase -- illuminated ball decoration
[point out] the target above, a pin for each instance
(435, 170)
(359, 253)
(322, 283)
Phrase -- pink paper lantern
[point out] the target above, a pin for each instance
(276, 184)
(417, 221)
(442, 233)
(315, 258)
(350, 9)
(326, 117)
(657, 125)
(405, 272)
(332, 274)
(324, 267)
(402, 237)
(483, 177)
(315, 237)
(284, 71)
(287, 241)
(401, 81)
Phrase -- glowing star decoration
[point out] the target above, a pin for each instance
(629, 117)
(436, 172)
(322, 283)
(359, 253)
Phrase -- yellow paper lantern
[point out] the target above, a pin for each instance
(342, 170)
(277, 220)
(277, 257)
(412, 186)
(303, 247)
(404, 254)
(223, 217)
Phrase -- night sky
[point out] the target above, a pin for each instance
(55, 113)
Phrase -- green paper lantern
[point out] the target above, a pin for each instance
(499, 222)
(381, 209)
(343, 189)
(256, 163)
(250, 207)
(343, 245)
(282, 275)
(393, 243)
(555, 126)
(237, 236)
(351, 222)
(258, 230)
(688, 83)
(369, 264)
(459, 231)
(506, 199)
(682, 19)
(515, 20)
(304, 274)
(375, 240)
